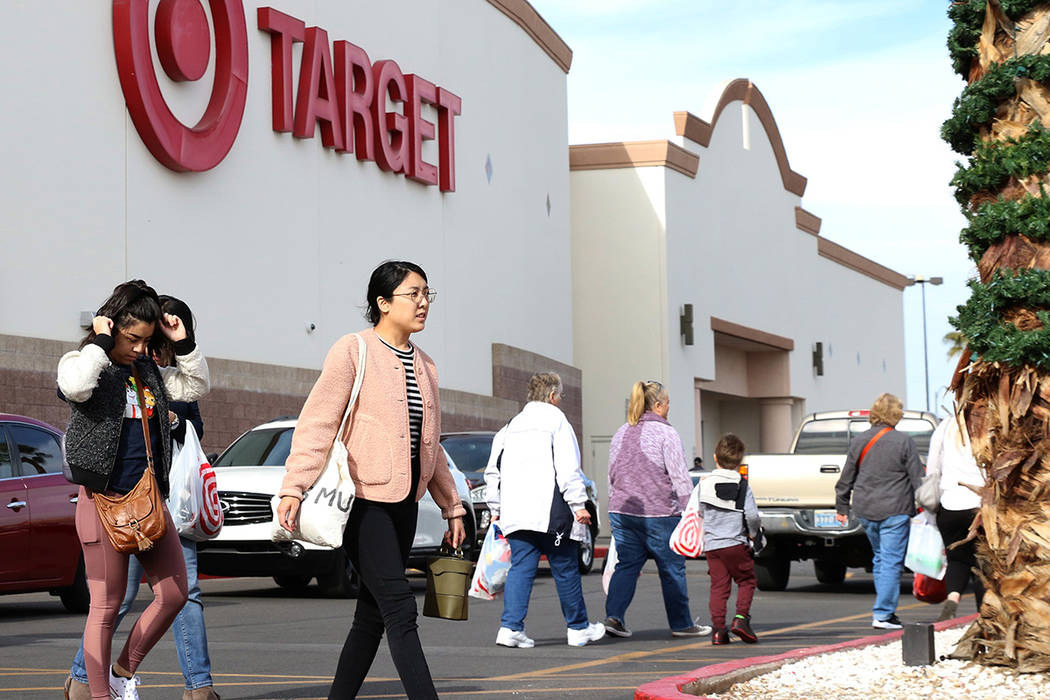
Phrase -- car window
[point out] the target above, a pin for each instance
(828, 436)
(38, 449)
(7, 469)
(822, 437)
(920, 431)
(469, 452)
(269, 447)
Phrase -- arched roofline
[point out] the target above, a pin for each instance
(743, 90)
(532, 23)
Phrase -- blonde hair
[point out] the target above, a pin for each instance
(542, 385)
(643, 396)
(887, 409)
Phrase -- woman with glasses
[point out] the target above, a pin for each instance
(395, 457)
(649, 487)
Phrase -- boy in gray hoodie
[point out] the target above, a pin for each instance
(730, 520)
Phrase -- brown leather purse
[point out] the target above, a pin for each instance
(135, 520)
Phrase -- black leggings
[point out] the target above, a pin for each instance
(954, 526)
(378, 540)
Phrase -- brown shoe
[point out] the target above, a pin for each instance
(75, 690)
(720, 636)
(742, 628)
(203, 693)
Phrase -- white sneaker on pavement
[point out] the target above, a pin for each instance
(591, 633)
(121, 688)
(507, 637)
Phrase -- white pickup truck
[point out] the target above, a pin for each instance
(795, 494)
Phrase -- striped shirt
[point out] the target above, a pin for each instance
(415, 401)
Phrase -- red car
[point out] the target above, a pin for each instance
(39, 549)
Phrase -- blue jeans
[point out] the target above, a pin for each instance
(889, 544)
(191, 640)
(525, 550)
(638, 539)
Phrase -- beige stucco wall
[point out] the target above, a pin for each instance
(647, 240)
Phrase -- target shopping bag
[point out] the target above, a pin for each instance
(491, 572)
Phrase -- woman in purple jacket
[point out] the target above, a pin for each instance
(649, 487)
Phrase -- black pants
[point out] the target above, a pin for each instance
(378, 540)
(954, 526)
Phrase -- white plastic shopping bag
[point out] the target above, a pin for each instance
(687, 538)
(325, 507)
(490, 575)
(193, 497)
(610, 565)
(926, 553)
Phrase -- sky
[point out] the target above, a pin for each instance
(858, 90)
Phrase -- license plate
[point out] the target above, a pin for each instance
(825, 518)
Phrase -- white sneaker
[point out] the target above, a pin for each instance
(121, 688)
(507, 637)
(591, 633)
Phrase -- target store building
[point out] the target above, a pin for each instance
(259, 159)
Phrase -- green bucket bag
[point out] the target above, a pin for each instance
(448, 580)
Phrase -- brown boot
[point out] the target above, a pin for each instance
(75, 690)
(203, 693)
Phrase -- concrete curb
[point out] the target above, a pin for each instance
(717, 677)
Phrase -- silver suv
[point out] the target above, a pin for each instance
(248, 474)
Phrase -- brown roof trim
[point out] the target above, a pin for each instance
(805, 221)
(737, 331)
(858, 263)
(633, 154)
(525, 16)
(696, 129)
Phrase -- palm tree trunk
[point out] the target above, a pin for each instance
(1006, 390)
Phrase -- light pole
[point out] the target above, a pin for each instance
(913, 280)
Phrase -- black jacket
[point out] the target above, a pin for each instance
(186, 411)
(93, 437)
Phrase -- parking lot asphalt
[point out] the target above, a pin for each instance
(268, 643)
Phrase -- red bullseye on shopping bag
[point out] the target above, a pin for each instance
(211, 515)
(183, 46)
(688, 536)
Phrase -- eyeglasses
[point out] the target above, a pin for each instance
(416, 295)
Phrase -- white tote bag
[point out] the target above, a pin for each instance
(325, 507)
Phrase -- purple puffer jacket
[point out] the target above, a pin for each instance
(648, 476)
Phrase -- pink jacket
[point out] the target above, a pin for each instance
(379, 442)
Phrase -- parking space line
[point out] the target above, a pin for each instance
(635, 655)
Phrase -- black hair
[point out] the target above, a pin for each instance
(163, 348)
(384, 281)
(133, 301)
(177, 307)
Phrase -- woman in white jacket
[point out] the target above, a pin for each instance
(535, 491)
(950, 454)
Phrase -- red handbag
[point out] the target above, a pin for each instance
(928, 589)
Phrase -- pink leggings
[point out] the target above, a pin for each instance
(107, 578)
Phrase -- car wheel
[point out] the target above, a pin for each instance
(292, 582)
(772, 573)
(75, 598)
(829, 570)
(341, 581)
(586, 555)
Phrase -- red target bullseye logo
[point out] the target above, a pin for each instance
(184, 49)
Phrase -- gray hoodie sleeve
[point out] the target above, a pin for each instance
(754, 520)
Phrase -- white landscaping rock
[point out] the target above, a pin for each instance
(879, 672)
